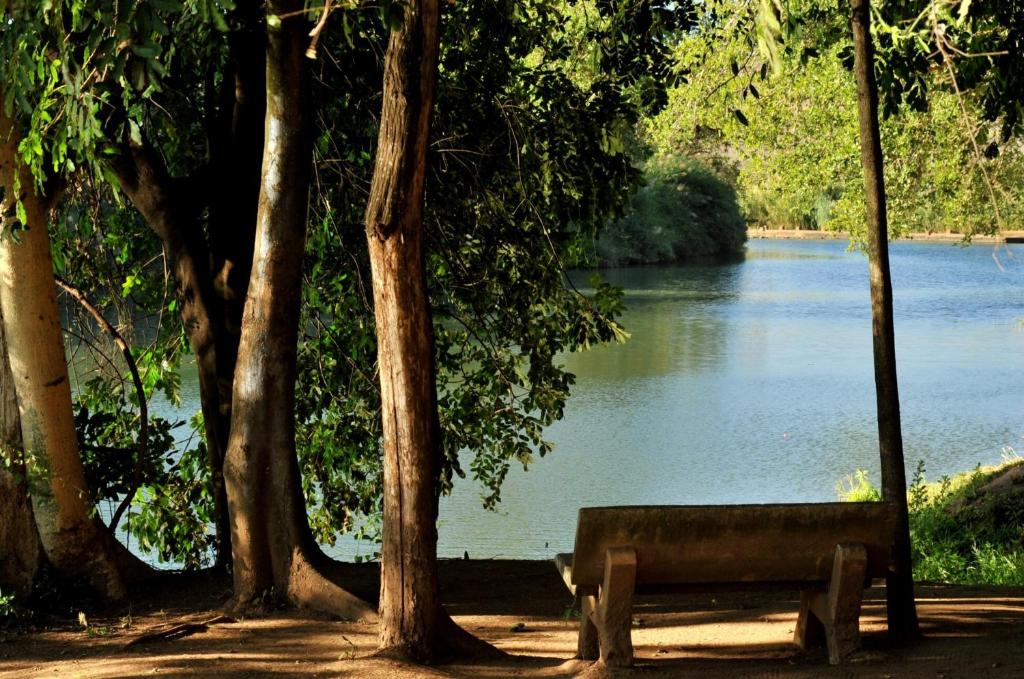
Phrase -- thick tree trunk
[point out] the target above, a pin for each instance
(236, 150)
(20, 551)
(413, 622)
(902, 610)
(271, 540)
(74, 540)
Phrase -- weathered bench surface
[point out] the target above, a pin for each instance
(827, 550)
(695, 544)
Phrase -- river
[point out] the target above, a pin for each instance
(753, 382)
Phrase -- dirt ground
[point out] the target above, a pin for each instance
(520, 607)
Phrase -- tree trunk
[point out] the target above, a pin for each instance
(75, 541)
(902, 611)
(271, 540)
(236, 148)
(212, 274)
(20, 551)
(173, 215)
(413, 622)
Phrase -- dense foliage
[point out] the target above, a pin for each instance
(529, 160)
(565, 131)
(785, 131)
(683, 211)
(966, 529)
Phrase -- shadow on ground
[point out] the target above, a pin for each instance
(523, 608)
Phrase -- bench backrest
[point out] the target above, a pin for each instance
(732, 543)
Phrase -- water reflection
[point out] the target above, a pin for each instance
(753, 382)
(668, 320)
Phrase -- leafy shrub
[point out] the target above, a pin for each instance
(683, 211)
(959, 533)
(10, 612)
(857, 487)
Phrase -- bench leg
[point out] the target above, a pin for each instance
(587, 647)
(845, 593)
(809, 632)
(614, 614)
(837, 611)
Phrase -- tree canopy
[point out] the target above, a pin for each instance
(132, 109)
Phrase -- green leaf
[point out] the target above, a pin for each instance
(146, 50)
(961, 15)
(134, 133)
(165, 5)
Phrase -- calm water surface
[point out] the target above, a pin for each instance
(753, 382)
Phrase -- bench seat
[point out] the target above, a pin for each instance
(828, 551)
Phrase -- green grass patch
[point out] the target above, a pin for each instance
(966, 529)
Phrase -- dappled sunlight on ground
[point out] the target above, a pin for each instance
(521, 607)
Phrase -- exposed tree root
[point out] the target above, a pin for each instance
(598, 670)
(302, 584)
(21, 555)
(132, 568)
(308, 587)
(86, 552)
(453, 644)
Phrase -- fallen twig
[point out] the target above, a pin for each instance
(177, 631)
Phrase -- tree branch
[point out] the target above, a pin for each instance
(80, 297)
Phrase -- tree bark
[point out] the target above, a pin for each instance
(75, 542)
(413, 622)
(902, 611)
(20, 552)
(212, 272)
(235, 149)
(272, 544)
(173, 215)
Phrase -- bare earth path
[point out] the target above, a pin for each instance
(970, 633)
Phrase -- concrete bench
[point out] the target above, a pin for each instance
(828, 551)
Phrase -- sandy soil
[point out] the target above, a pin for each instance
(520, 607)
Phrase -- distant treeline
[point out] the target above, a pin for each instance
(773, 141)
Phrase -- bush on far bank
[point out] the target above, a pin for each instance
(683, 212)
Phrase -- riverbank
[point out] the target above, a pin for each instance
(520, 607)
(756, 233)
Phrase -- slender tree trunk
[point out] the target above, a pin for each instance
(173, 215)
(413, 622)
(20, 552)
(74, 540)
(271, 540)
(235, 149)
(902, 610)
